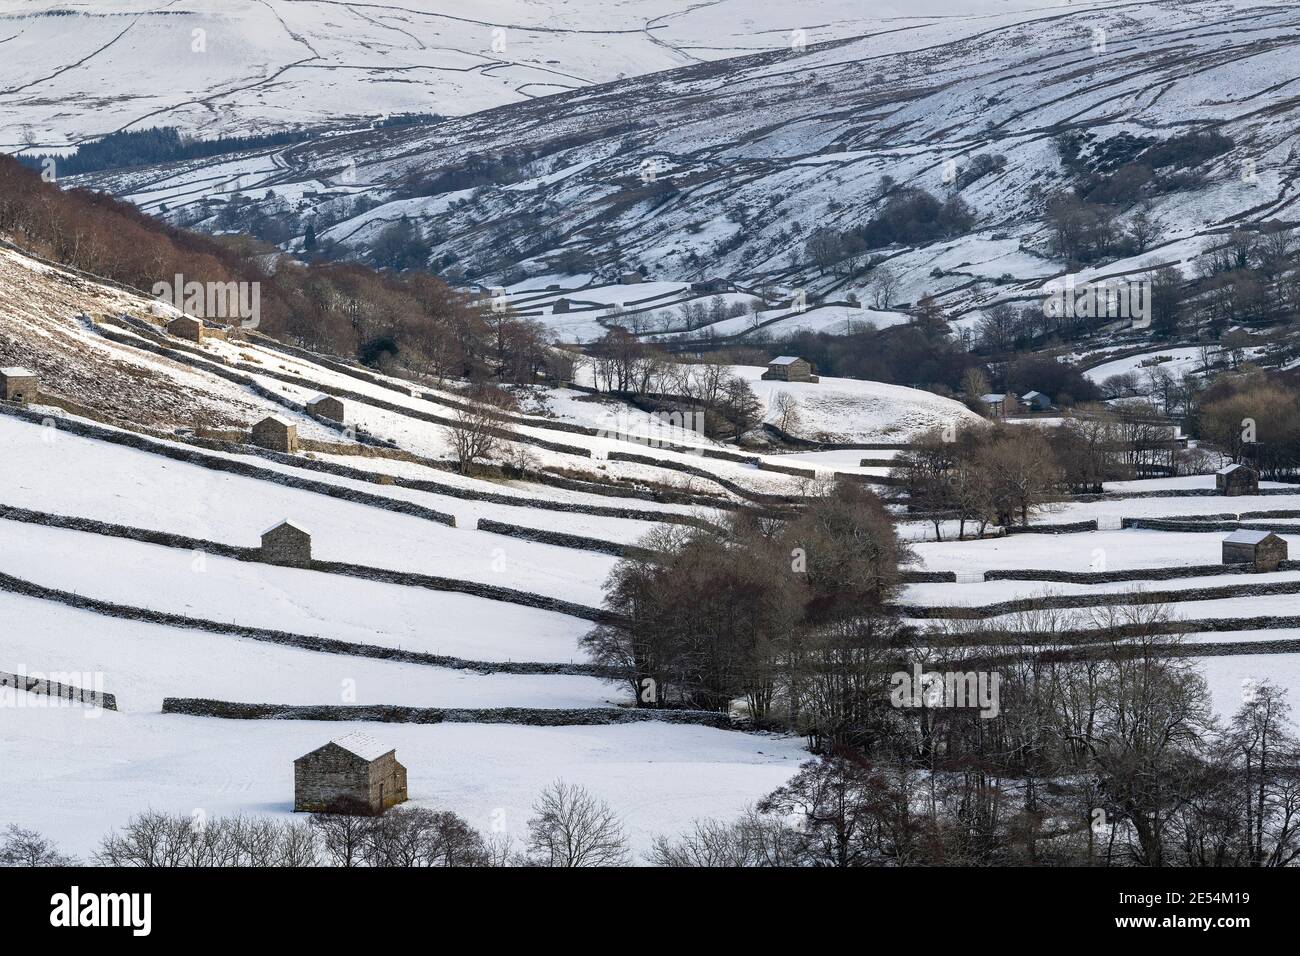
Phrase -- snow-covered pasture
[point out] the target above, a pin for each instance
(1128, 550)
(84, 775)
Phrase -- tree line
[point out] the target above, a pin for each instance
(411, 321)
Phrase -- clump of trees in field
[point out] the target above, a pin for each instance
(569, 827)
(623, 364)
(786, 615)
(990, 473)
(1253, 417)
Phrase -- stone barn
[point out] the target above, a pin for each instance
(997, 404)
(18, 385)
(559, 306)
(326, 406)
(790, 368)
(630, 278)
(277, 434)
(1262, 549)
(352, 774)
(186, 327)
(1237, 480)
(287, 544)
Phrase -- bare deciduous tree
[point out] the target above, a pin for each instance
(572, 828)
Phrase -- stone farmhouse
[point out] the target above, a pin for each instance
(1036, 401)
(351, 774)
(997, 404)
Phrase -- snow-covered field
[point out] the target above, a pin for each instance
(82, 776)
(848, 410)
(86, 771)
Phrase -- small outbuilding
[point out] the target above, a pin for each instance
(1036, 401)
(790, 368)
(1262, 549)
(277, 434)
(1235, 480)
(186, 327)
(997, 404)
(354, 773)
(287, 544)
(711, 285)
(18, 385)
(630, 278)
(559, 306)
(326, 406)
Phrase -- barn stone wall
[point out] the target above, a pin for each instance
(534, 716)
(58, 690)
(325, 645)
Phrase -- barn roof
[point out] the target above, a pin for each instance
(278, 420)
(1030, 396)
(1228, 469)
(15, 371)
(285, 524)
(1247, 537)
(363, 745)
(785, 360)
(318, 397)
(993, 397)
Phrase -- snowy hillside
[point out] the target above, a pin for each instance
(724, 169)
(75, 71)
(463, 597)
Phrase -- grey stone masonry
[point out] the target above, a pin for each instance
(18, 385)
(326, 406)
(186, 327)
(276, 434)
(286, 544)
(61, 691)
(335, 776)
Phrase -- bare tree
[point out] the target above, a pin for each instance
(883, 286)
(572, 828)
(21, 847)
(475, 435)
(785, 411)
(753, 840)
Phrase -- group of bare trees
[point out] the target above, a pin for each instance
(569, 827)
(780, 614)
(1253, 418)
(623, 364)
(1112, 758)
(979, 474)
(990, 473)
